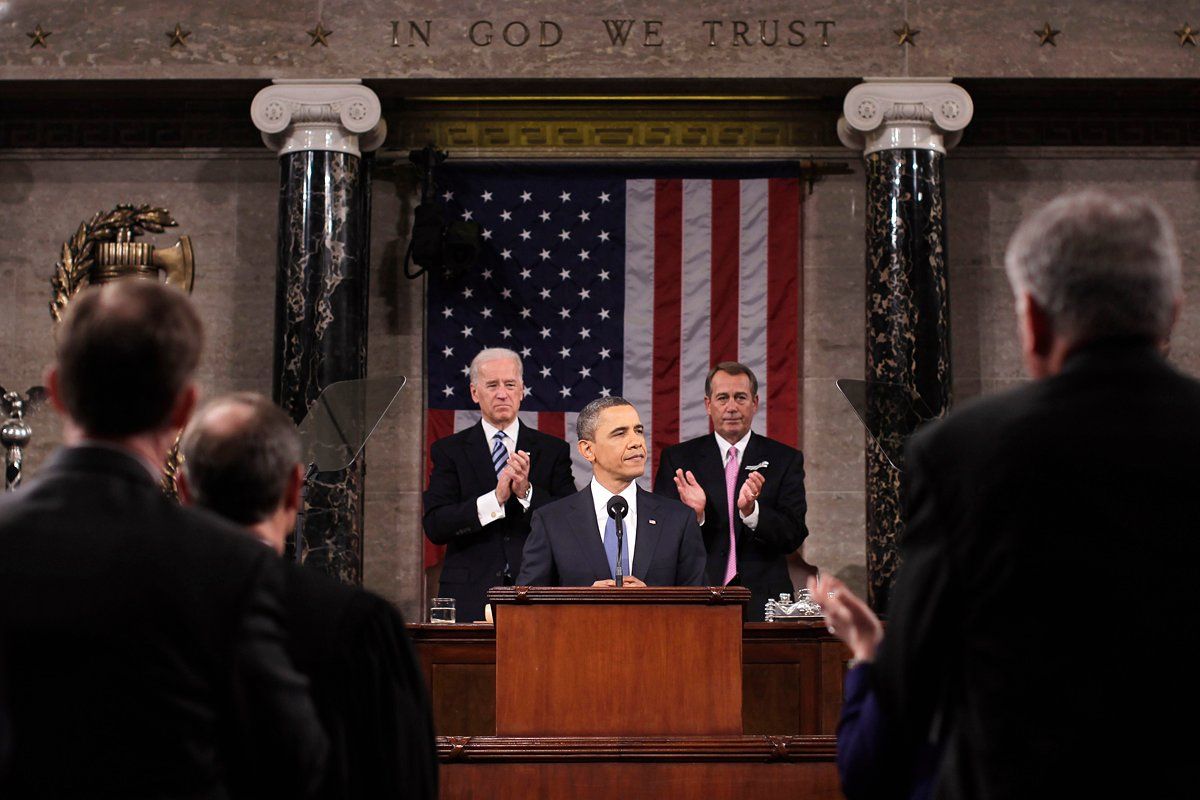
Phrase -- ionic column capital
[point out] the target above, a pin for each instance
(339, 115)
(904, 113)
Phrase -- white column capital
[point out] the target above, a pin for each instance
(904, 113)
(339, 115)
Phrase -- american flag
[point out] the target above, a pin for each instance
(625, 281)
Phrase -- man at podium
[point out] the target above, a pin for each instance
(574, 542)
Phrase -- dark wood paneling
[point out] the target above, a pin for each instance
(713, 768)
(792, 677)
(635, 665)
(771, 698)
(464, 699)
(603, 781)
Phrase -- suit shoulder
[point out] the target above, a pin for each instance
(688, 448)
(778, 448)
(546, 440)
(325, 603)
(571, 504)
(980, 416)
(203, 530)
(456, 439)
(664, 506)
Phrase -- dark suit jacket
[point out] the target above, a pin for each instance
(368, 688)
(565, 548)
(480, 557)
(868, 759)
(144, 643)
(762, 552)
(1046, 527)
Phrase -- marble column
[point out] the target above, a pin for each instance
(320, 130)
(903, 128)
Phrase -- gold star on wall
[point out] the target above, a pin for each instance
(1186, 35)
(1046, 36)
(178, 35)
(906, 35)
(39, 36)
(318, 35)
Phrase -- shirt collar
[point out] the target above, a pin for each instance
(489, 430)
(600, 495)
(741, 446)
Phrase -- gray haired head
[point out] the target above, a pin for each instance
(589, 418)
(495, 354)
(1099, 265)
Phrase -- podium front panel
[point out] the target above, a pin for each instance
(618, 669)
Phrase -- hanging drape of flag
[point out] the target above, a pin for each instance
(620, 280)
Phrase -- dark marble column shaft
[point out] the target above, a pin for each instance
(908, 330)
(321, 328)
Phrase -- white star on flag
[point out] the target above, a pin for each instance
(564, 312)
(506, 254)
(565, 197)
(486, 196)
(603, 197)
(506, 215)
(447, 351)
(526, 197)
(448, 391)
(564, 235)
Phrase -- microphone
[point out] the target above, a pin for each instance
(617, 510)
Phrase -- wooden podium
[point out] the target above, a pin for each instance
(651, 661)
(635, 693)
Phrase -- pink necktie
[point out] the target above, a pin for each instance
(731, 472)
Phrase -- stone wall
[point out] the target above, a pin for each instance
(455, 39)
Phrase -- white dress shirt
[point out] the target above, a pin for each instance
(487, 505)
(749, 520)
(600, 497)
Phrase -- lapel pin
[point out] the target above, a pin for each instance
(758, 466)
(651, 522)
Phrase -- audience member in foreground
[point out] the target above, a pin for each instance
(871, 762)
(1043, 616)
(573, 541)
(143, 642)
(242, 460)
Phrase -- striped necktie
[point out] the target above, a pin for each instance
(499, 453)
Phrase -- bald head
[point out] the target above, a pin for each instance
(125, 353)
(239, 454)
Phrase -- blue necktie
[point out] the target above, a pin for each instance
(610, 547)
(499, 453)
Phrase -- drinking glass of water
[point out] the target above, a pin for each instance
(441, 609)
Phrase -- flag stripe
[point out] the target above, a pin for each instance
(553, 423)
(783, 320)
(752, 288)
(697, 296)
(668, 274)
(438, 424)
(726, 224)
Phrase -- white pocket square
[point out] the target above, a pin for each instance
(758, 466)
